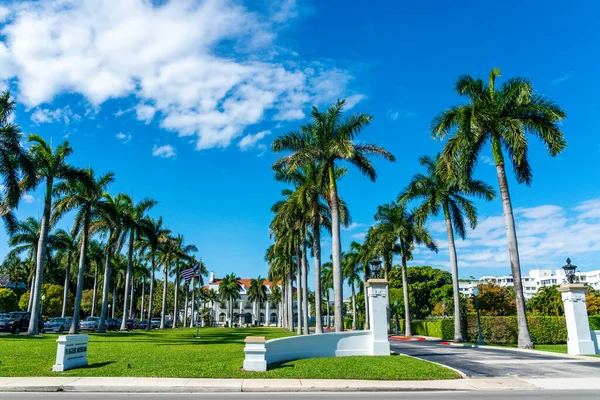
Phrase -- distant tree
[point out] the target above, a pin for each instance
(494, 300)
(8, 300)
(547, 301)
(257, 293)
(592, 301)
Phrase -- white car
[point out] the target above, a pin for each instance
(59, 325)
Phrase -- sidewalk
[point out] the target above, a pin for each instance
(183, 385)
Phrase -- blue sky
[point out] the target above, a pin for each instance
(182, 100)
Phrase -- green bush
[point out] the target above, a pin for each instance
(594, 322)
(503, 330)
(347, 323)
(8, 300)
(442, 328)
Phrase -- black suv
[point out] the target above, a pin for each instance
(17, 322)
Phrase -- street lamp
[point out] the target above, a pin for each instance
(375, 267)
(479, 335)
(397, 321)
(569, 272)
(42, 306)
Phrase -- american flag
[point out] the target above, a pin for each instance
(190, 273)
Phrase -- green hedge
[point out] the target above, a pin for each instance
(503, 330)
(442, 328)
(594, 322)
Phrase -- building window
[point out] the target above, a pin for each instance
(273, 318)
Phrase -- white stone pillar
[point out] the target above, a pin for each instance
(267, 314)
(378, 304)
(578, 326)
(242, 316)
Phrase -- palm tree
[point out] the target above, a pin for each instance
(327, 285)
(95, 256)
(502, 117)
(182, 256)
(86, 197)
(395, 222)
(14, 163)
(281, 265)
(229, 290)
(24, 239)
(445, 193)
(257, 293)
(66, 246)
(153, 234)
(352, 269)
(51, 167)
(132, 218)
(275, 299)
(328, 139)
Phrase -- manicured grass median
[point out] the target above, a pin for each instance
(217, 354)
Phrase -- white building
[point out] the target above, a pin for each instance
(266, 313)
(532, 282)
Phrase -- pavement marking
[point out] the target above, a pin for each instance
(521, 361)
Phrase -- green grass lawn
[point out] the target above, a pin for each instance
(218, 353)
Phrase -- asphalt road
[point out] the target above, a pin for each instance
(488, 395)
(492, 363)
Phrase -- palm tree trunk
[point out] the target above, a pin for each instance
(131, 302)
(407, 330)
(458, 337)
(94, 290)
(151, 295)
(185, 308)
(66, 288)
(128, 279)
(80, 276)
(176, 305)
(387, 268)
(163, 313)
(298, 291)
(107, 272)
(31, 290)
(353, 307)
(143, 295)
(366, 298)
(328, 313)
(114, 300)
(304, 288)
(41, 261)
(290, 300)
(316, 231)
(283, 306)
(336, 246)
(524, 339)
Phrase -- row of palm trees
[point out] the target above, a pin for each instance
(502, 117)
(116, 219)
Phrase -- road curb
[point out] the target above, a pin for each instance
(531, 351)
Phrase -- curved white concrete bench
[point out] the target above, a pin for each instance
(260, 352)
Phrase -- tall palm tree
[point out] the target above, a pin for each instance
(327, 285)
(328, 139)
(281, 265)
(394, 221)
(276, 299)
(51, 167)
(153, 234)
(95, 257)
(66, 247)
(229, 290)
(24, 239)
(182, 254)
(352, 269)
(257, 293)
(132, 218)
(14, 164)
(439, 191)
(502, 117)
(86, 197)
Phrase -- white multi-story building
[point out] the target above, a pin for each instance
(536, 279)
(265, 313)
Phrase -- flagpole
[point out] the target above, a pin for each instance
(198, 308)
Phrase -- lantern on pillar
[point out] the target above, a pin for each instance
(375, 267)
(569, 272)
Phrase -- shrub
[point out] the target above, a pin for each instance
(503, 330)
(594, 322)
(8, 300)
(441, 328)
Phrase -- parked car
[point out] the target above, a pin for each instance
(132, 324)
(113, 324)
(155, 322)
(143, 324)
(90, 324)
(17, 322)
(59, 325)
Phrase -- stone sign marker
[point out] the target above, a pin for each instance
(71, 352)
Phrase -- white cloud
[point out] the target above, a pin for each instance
(394, 115)
(352, 226)
(124, 137)
(353, 100)
(547, 234)
(209, 68)
(359, 236)
(46, 116)
(165, 151)
(488, 161)
(562, 78)
(28, 198)
(249, 141)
